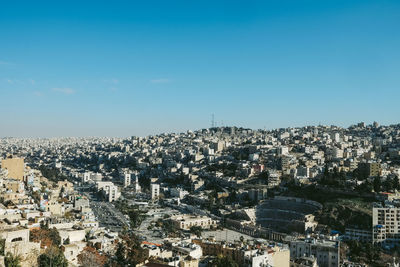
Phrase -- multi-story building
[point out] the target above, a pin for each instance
(325, 251)
(135, 184)
(335, 137)
(370, 169)
(257, 194)
(247, 256)
(91, 177)
(127, 179)
(187, 249)
(110, 191)
(218, 146)
(336, 153)
(283, 150)
(155, 191)
(185, 222)
(15, 167)
(358, 234)
(15, 186)
(386, 224)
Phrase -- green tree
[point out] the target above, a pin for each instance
(67, 241)
(44, 225)
(326, 171)
(90, 257)
(55, 237)
(120, 255)
(52, 257)
(2, 246)
(136, 217)
(197, 230)
(396, 183)
(129, 252)
(87, 236)
(12, 260)
(377, 184)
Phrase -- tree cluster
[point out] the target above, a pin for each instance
(129, 252)
(47, 237)
(53, 174)
(90, 257)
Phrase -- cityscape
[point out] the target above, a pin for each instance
(221, 196)
(217, 133)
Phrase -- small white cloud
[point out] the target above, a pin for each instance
(163, 80)
(15, 81)
(32, 81)
(66, 91)
(38, 93)
(113, 89)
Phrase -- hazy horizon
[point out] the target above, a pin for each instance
(197, 129)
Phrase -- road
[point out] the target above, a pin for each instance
(107, 215)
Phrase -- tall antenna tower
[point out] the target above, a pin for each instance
(212, 121)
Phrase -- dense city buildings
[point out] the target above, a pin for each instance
(310, 196)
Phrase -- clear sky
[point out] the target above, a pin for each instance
(122, 68)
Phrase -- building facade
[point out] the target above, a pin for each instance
(386, 224)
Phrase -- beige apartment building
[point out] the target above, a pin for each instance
(185, 222)
(15, 167)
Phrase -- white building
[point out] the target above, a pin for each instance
(58, 164)
(325, 251)
(276, 256)
(178, 192)
(110, 190)
(284, 135)
(127, 179)
(185, 222)
(187, 249)
(91, 176)
(336, 137)
(283, 150)
(155, 191)
(386, 224)
(218, 146)
(254, 157)
(135, 184)
(86, 177)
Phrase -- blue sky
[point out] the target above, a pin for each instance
(122, 68)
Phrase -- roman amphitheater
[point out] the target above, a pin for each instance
(287, 214)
